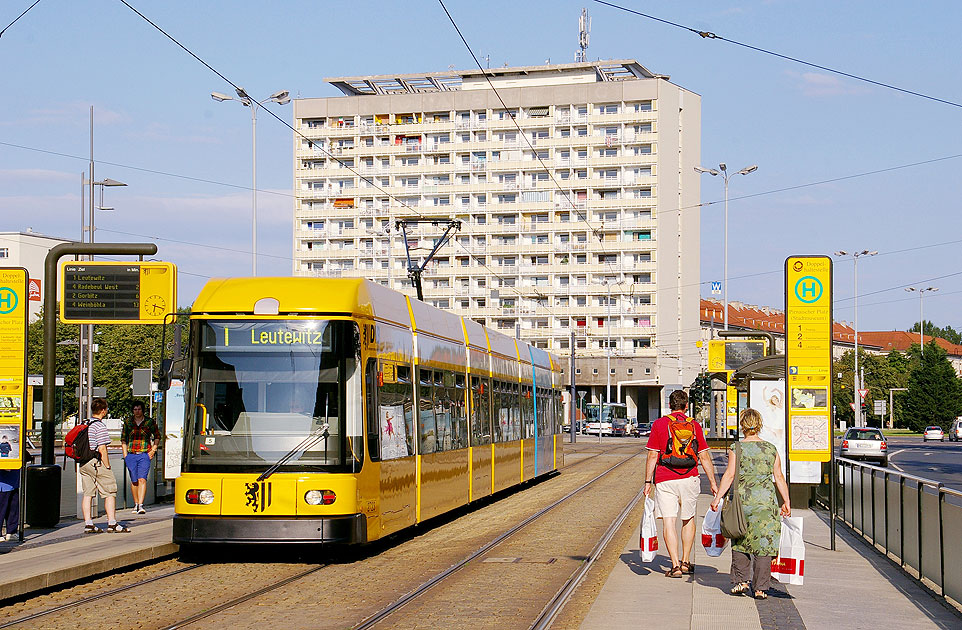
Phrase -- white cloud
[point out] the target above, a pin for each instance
(817, 85)
(70, 113)
(13, 175)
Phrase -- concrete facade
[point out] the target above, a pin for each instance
(29, 250)
(579, 185)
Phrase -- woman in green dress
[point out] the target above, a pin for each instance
(760, 464)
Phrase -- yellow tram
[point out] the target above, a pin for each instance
(338, 410)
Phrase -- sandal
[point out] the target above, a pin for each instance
(688, 568)
(118, 528)
(674, 572)
(761, 595)
(740, 589)
(92, 529)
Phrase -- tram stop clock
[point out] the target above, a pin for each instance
(117, 293)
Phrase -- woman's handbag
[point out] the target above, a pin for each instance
(733, 523)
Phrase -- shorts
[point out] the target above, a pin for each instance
(138, 465)
(95, 477)
(670, 495)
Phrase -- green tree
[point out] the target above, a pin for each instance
(948, 333)
(121, 348)
(935, 392)
(880, 373)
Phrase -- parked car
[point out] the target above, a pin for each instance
(865, 443)
(933, 433)
(955, 431)
(642, 429)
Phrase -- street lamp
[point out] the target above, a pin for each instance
(856, 398)
(920, 291)
(723, 168)
(281, 98)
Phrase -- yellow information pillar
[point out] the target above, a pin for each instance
(808, 357)
(13, 366)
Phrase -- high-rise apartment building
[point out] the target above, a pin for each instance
(572, 182)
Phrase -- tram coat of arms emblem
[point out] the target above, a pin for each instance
(258, 495)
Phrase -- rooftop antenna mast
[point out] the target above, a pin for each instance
(584, 26)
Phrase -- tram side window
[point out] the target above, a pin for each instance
(370, 408)
(501, 413)
(427, 425)
(515, 402)
(527, 401)
(459, 416)
(395, 405)
(443, 411)
(480, 423)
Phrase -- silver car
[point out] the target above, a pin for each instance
(933, 433)
(865, 443)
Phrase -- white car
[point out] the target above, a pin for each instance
(955, 431)
(933, 433)
(592, 428)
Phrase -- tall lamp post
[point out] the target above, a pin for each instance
(281, 98)
(856, 397)
(920, 291)
(723, 168)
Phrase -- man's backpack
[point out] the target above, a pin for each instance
(681, 451)
(77, 444)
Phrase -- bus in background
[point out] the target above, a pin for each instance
(613, 421)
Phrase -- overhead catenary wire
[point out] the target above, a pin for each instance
(710, 35)
(27, 10)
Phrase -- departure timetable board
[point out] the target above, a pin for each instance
(117, 293)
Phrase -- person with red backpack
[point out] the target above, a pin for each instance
(676, 447)
(95, 474)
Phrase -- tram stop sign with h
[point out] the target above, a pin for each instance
(117, 293)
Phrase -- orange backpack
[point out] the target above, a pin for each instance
(681, 451)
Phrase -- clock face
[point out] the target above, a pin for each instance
(155, 305)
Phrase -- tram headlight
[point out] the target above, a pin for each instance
(319, 497)
(200, 497)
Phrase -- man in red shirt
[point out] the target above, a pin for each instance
(675, 448)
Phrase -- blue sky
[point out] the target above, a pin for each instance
(153, 112)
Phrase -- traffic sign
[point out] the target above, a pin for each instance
(117, 293)
(852, 405)
(716, 287)
(881, 407)
(862, 393)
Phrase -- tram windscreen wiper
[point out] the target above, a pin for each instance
(312, 438)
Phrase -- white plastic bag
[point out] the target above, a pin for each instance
(711, 536)
(789, 566)
(649, 532)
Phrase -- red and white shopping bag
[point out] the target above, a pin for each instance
(711, 536)
(649, 532)
(789, 566)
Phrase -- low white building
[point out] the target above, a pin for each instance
(29, 250)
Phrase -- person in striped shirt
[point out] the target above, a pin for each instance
(96, 475)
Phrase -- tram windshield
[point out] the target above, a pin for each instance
(257, 389)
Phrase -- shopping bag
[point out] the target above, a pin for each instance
(649, 532)
(711, 537)
(789, 566)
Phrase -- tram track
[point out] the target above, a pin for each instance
(98, 596)
(561, 597)
(254, 593)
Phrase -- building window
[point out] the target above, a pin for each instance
(4, 252)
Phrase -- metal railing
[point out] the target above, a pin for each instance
(916, 522)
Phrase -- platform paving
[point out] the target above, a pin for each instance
(50, 557)
(853, 587)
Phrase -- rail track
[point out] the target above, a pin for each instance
(559, 599)
(280, 583)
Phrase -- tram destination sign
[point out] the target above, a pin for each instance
(117, 293)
